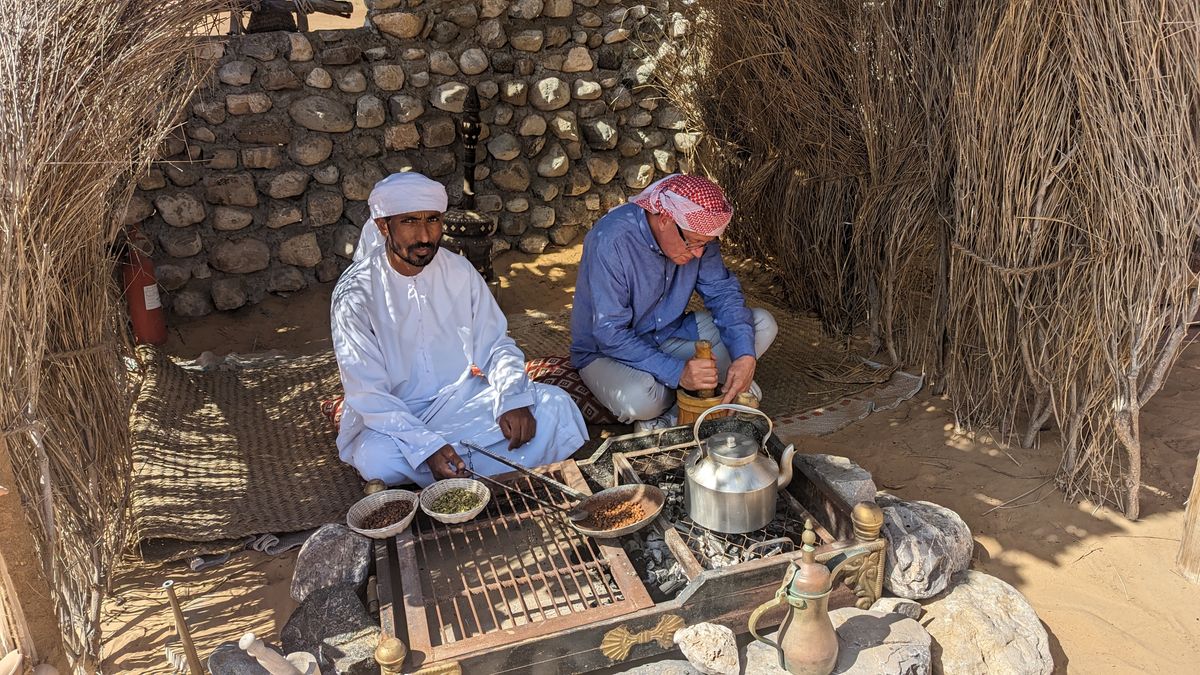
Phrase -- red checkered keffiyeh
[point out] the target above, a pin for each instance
(696, 204)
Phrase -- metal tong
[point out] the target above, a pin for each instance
(575, 514)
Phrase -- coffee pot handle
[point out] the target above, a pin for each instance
(774, 602)
(736, 408)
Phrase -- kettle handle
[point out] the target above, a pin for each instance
(762, 609)
(736, 408)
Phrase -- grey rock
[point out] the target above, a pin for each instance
(577, 183)
(640, 119)
(850, 481)
(301, 250)
(401, 137)
(473, 61)
(247, 104)
(489, 203)
(172, 277)
(263, 46)
(710, 648)
(550, 93)
(664, 161)
(589, 20)
(334, 554)
(320, 113)
(345, 240)
(983, 625)
(620, 99)
(328, 270)
(527, 40)
(324, 207)
(525, 9)
(228, 219)
(491, 35)
(180, 243)
(319, 78)
(500, 245)
(600, 134)
(515, 92)
(352, 81)
(357, 184)
(299, 48)
(310, 149)
(534, 243)
(638, 176)
(228, 294)
(342, 54)
(377, 53)
(587, 90)
(512, 225)
(579, 60)
(287, 184)
(504, 147)
(153, 180)
(229, 659)
(514, 176)
(212, 112)
(404, 25)
(927, 544)
(532, 125)
(564, 235)
(236, 73)
(629, 146)
(327, 175)
(502, 113)
(181, 175)
(444, 32)
(556, 36)
(670, 117)
(565, 126)
(465, 15)
(261, 158)
(517, 205)
(191, 304)
(487, 88)
(910, 608)
(180, 209)
(369, 112)
(554, 163)
(438, 132)
(282, 216)
(240, 257)
(413, 54)
(263, 130)
(449, 96)
(405, 108)
(333, 625)
(441, 63)
(388, 76)
(490, 9)
(279, 79)
(652, 138)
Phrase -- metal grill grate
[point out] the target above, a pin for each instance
(713, 549)
(518, 567)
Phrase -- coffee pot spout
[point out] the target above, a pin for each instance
(785, 466)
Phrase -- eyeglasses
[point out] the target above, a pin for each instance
(692, 245)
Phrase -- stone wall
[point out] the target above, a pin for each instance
(264, 188)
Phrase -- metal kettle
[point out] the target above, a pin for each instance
(730, 486)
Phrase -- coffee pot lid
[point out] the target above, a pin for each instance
(811, 577)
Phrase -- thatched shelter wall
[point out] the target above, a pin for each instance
(1004, 194)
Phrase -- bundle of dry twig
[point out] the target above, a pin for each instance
(87, 92)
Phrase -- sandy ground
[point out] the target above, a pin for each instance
(1102, 586)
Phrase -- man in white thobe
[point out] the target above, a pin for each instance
(409, 322)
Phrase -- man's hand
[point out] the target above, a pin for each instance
(518, 426)
(445, 463)
(699, 374)
(739, 377)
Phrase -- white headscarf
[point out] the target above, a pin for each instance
(407, 192)
(398, 193)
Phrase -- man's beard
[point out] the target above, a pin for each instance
(417, 255)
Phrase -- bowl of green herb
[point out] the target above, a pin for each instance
(455, 500)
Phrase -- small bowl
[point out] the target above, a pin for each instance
(367, 505)
(430, 494)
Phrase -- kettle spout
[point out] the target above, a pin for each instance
(785, 466)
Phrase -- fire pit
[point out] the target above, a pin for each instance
(518, 589)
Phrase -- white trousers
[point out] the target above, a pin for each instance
(633, 394)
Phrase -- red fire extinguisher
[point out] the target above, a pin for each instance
(141, 295)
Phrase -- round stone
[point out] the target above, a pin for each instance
(319, 113)
(324, 207)
(514, 176)
(438, 132)
(353, 81)
(579, 60)
(542, 217)
(247, 104)
(404, 25)
(301, 251)
(550, 93)
(310, 149)
(638, 176)
(228, 294)
(449, 96)
(554, 163)
(369, 112)
(473, 61)
(236, 73)
(287, 184)
(285, 280)
(504, 147)
(405, 108)
(172, 277)
(240, 257)
(441, 63)
(532, 125)
(180, 209)
(180, 243)
(587, 90)
(228, 219)
(191, 304)
(527, 40)
(319, 78)
(388, 76)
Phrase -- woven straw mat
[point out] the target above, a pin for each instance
(224, 454)
(802, 370)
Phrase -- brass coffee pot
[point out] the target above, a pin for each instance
(807, 642)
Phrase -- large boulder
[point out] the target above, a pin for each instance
(927, 544)
(983, 625)
(850, 481)
(711, 648)
(869, 643)
(332, 555)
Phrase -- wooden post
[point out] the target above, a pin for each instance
(1188, 560)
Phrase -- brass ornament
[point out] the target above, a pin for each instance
(618, 642)
(390, 654)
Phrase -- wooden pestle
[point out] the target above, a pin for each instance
(704, 351)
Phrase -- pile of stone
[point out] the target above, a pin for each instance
(264, 188)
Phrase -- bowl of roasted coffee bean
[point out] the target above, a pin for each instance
(383, 514)
(455, 500)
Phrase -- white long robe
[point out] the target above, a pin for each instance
(405, 346)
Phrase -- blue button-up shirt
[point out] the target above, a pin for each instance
(631, 298)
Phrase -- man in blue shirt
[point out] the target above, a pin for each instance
(633, 340)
